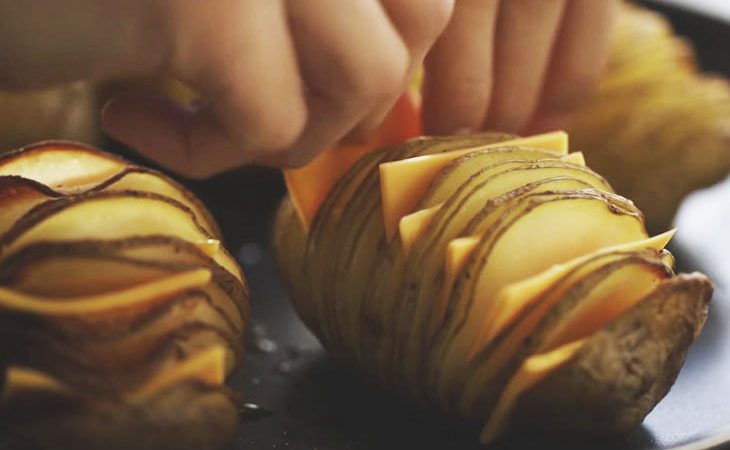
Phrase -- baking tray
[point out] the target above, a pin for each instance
(306, 400)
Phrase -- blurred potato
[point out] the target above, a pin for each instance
(655, 127)
(66, 112)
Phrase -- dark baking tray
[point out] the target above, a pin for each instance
(309, 401)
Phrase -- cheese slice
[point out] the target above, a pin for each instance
(533, 370)
(458, 252)
(207, 367)
(413, 225)
(20, 380)
(141, 294)
(517, 297)
(308, 186)
(403, 183)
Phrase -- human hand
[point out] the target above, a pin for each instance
(280, 81)
(514, 65)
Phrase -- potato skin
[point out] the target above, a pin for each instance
(185, 417)
(623, 370)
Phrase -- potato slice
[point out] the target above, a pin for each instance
(494, 180)
(120, 313)
(399, 199)
(61, 165)
(425, 306)
(103, 215)
(37, 269)
(84, 309)
(473, 164)
(530, 243)
(23, 381)
(502, 254)
(18, 196)
(618, 374)
(208, 367)
(147, 180)
(602, 288)
(366, 198)
(515, 298)
(145, 351)
(48, 277)
(110, 274)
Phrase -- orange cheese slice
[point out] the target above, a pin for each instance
(207, 367)
(412, 226)
(514, 298)
(403, 183)
(308, 186)
(533, 370)
(19, 380)
(125, 298)
(457, 253)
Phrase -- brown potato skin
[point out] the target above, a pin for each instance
(623, 370)
(186, 417)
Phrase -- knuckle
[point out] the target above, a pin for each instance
(276, 126)
(434, 15)
(421, 22)
(383, 76)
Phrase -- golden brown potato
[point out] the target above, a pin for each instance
(120, 313)
(475, 273)
(656, 127)
(64, 112)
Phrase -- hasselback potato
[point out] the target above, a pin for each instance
(656, 126)
(120, 313)
(495, 278)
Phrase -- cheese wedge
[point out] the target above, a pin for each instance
(399, 198)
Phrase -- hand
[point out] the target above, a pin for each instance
(515, 65)
(281, 81)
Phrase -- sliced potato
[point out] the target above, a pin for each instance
(601, 289)
(522, 247)
(37, 268)
(61, 165)
(618, 374)
(120, 312)
(18, 196)
(502, 258)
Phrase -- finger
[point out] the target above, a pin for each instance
(458, 79)
(578, 59)
(526, 31)
(419, 25)
(240, 57)
(353, 61)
